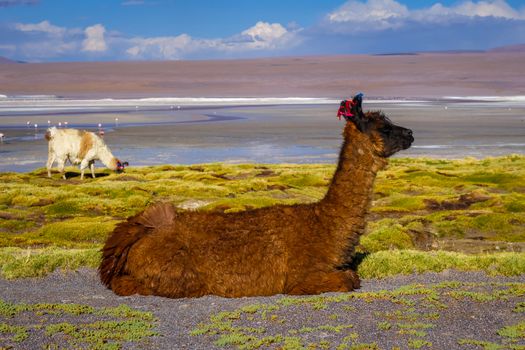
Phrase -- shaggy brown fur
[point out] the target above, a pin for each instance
(298, 249)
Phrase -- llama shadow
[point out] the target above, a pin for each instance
(70, 174)
(74, 174)
(357, 259)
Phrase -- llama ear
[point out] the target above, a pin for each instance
(357, 108)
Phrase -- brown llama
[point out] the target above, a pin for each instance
(282, 249)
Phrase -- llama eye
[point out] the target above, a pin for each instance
(386, 129)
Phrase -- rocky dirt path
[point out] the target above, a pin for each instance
(450, 310)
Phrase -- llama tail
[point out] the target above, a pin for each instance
(50, 133)
(125, 235)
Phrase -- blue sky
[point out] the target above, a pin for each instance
(70, 30)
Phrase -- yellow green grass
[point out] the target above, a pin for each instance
(19, 262)
(404, 262)
(408, 314)
(87, 327)
(26, 262)
(468, 206)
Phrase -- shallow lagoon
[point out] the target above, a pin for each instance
(294, 132)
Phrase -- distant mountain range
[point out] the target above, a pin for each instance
(509, 48)
(4, 60)
(500, 49)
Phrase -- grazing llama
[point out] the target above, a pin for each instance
(288, 249)
(79, 146)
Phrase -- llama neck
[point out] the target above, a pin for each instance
(350, 191)
(107, 158)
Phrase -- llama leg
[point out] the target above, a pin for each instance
(322, 282)
(61, 164)
(50, 160)
(92, 167)
(127, 285)
(83, 165)
(353, 278)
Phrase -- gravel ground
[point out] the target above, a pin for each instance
(408, 318)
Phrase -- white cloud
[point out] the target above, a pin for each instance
(160, 47)
(468, 9)
(377, 14)
(497, 8)
(262, 36)
(46, 49)
(43, 27)
(265, 35)
(44, 40)
(94, 41)
(374, 15)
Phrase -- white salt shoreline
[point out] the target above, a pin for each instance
(30, 102)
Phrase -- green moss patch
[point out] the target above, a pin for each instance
(464, 205)
(409, 314)
(87, 327)
(405, 262)
(18, 262)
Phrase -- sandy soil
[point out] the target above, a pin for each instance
(429, 75)
(461, 318)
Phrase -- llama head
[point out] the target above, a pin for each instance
(121, 166)
(386, 137)
(118, 166)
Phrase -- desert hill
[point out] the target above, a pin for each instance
(6, 60)
(421, 75)
(510, 48)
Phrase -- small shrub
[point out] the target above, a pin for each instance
(75, 231)
(17, 262)
(64, 208)
(385, 238)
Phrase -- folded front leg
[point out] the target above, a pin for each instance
(322, 282)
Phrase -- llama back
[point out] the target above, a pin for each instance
(71, 142)
(124, 236)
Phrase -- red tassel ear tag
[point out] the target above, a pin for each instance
(121, 166)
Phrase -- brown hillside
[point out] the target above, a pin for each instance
(421, 75)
